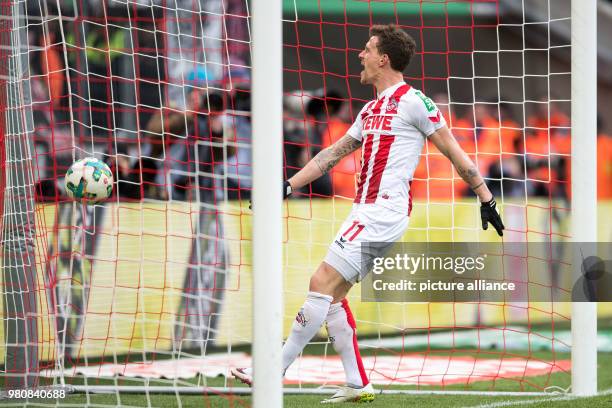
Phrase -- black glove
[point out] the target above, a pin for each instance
(489, 214)
(287, 190)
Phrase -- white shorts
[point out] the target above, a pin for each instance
(365, 223)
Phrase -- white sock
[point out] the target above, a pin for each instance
(342, 334)
(307, 323)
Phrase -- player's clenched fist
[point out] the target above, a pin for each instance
(489, 214)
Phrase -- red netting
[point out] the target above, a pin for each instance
(505, 112)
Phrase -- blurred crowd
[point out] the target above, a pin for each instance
(198, 146)
(517, 161)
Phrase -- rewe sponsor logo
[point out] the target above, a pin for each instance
(377, 122)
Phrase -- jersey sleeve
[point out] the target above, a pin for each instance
(355, 130)
(422, 113)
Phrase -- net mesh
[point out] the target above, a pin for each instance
(500, 75)
(140, 279)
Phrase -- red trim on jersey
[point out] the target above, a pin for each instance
(367, 152)
(384, 147)
(380, 163)
(435, 119)
(376, 108)
(351, 321)
(365, 111)
(397, 95)
(409, 197)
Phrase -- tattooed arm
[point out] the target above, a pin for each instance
(448, 146)
(324, 161)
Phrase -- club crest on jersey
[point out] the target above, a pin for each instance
(392, 105)
(301, 319)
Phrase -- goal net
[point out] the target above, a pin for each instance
(500, 73)
(150, 291)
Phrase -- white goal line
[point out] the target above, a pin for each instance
(324, 390)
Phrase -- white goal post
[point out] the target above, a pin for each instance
(268, 316)
(584, 185)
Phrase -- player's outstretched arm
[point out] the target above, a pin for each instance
(323, 162)
(448, 146)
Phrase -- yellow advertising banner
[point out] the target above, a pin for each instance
(131, 298)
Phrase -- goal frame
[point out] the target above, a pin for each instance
(584, 184)
(267, 119)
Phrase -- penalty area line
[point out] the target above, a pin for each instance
(537, 400)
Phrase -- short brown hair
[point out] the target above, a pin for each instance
(396, 43)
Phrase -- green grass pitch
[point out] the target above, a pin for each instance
(385, 400)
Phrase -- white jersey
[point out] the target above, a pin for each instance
(392, 130)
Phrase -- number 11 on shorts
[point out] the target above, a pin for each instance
(360, 228)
